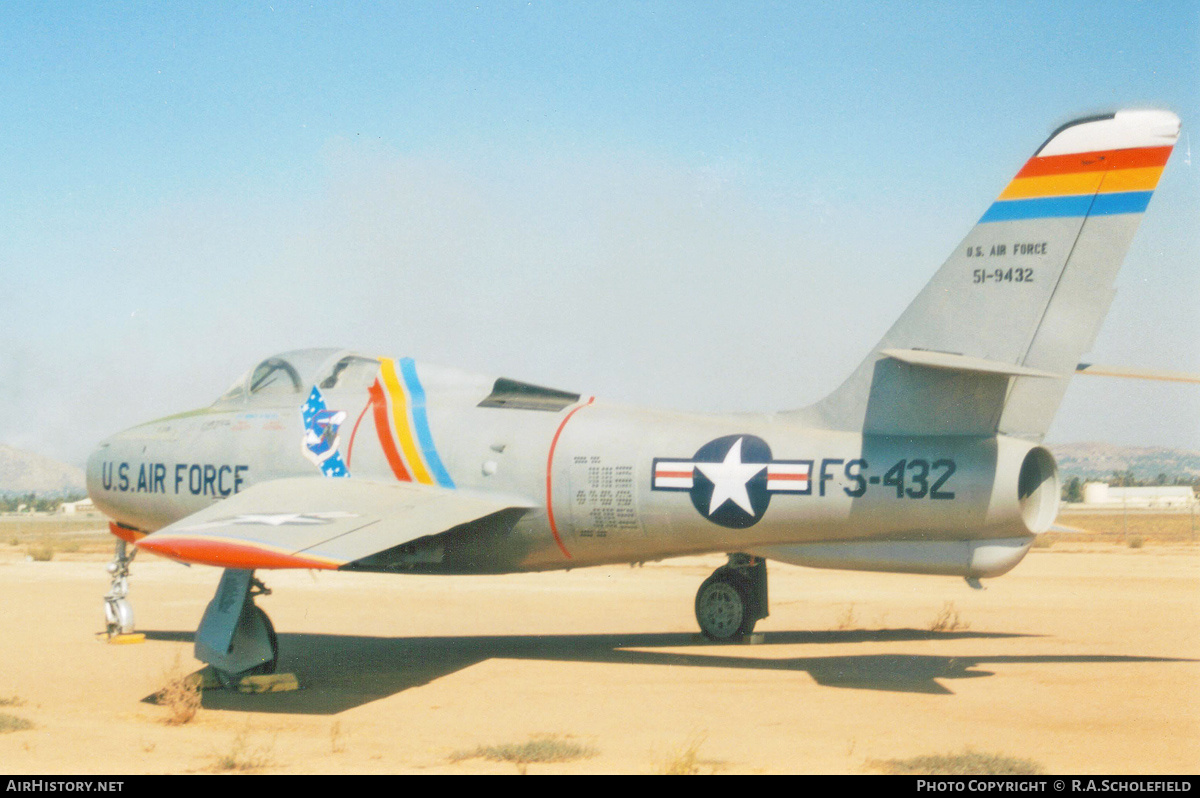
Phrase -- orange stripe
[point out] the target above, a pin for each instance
(1103, 160)
(230, 554)
(125, 533)
(383, 427)
(550, 470)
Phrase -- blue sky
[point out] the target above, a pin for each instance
(549, 191)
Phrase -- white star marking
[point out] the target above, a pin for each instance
(271, 519)
(729, 479)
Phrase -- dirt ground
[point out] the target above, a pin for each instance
(1084, 659)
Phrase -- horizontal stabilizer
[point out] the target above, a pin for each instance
(1094, 370)
(978, 365)
(314, 522)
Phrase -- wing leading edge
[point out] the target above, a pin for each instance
(313, 522)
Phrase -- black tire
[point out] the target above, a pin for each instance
(723, 607)
(269, 666)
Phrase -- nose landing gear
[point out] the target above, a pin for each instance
(731, 601)
(118, 612)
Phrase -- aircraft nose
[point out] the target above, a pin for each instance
(94, 472)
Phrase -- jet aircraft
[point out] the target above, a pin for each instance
(926, 460)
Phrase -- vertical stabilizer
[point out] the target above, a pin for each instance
(989, 345)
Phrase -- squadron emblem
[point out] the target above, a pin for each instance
(321, 438)
(730, 480)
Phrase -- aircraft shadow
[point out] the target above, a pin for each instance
(339, 672)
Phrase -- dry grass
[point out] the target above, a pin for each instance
(684, 760)
(181, 695)
(40, 552)
(12, 701)
(847, 619)
(59, 534)
(12, 723)
(1116, 527)
(541, 748)
(337, 742)
(241, 757)
(966, 763)
(948, 620)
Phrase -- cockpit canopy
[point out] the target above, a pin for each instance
(284, 377)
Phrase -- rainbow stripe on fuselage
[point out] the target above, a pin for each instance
(1099, 183)
(398, 401)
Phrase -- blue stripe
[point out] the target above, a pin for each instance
(1060, 207)
(416, 396)
(1126, 202)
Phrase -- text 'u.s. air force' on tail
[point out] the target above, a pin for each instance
(926, 460)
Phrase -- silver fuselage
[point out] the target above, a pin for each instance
(588, 469)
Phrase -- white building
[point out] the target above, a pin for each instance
(1104, 495)
(81, 506)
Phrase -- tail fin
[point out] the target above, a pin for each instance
(990, 343)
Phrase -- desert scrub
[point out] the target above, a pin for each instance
(41, 552)
(541, 748)
(684, 760)
(948, 620)
(12, 723)
(966, 763)
(181, 695)
(240, 757)
(847, 620)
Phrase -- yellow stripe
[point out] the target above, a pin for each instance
(387, 368)
(1083, 183)
(1053, 185)
(1131, 179)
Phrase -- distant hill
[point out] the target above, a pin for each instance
(1100, 460)
(26, 472)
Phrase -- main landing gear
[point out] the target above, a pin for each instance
(118, 612)
(733, 599)
(235, 636)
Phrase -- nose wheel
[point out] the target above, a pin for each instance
(118, 612)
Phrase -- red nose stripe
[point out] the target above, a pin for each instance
(227, 553)
(125, 533)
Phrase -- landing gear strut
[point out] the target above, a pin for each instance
(118, 612)
(235, 636)
(733, 599)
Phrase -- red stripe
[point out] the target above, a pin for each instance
(550, 470)
(797, 477)
(350, 447)
(384, 428)
(224, 554)
(672, 474)
(1099, 161)
(127, 534)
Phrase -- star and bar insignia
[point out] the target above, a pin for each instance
(731, 479)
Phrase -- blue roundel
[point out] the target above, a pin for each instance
(729, 484)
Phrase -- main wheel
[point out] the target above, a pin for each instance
(723, 607)
(268, 666)
(230, 680)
